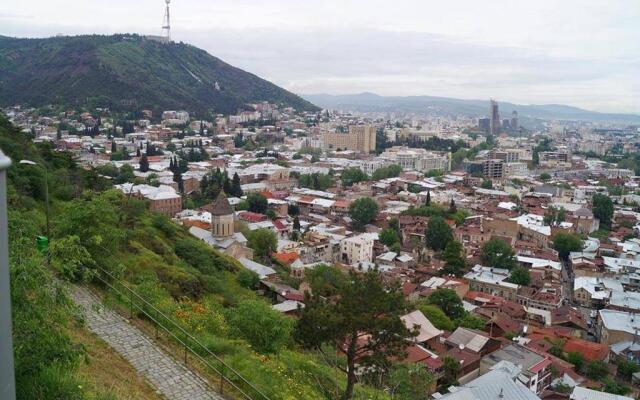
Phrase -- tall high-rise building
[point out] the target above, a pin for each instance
(484, 124)
(494, 118)
(514, 120)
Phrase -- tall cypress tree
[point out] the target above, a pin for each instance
(236, 188)
(144, 163)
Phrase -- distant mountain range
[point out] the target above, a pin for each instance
(371, 102)
(128, 71)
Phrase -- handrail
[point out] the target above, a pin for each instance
(223, 366)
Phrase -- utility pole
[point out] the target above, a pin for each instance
(7, 380)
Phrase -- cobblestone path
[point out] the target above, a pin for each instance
(169, 377)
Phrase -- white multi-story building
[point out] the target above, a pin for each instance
(356, 249)
(515, 169)
(417, 159)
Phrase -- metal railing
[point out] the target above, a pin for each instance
(190, 344)
(7, 381)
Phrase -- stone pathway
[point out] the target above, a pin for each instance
(169, 377)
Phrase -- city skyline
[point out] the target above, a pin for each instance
(526, 53)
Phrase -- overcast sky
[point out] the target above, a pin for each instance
(579, 52)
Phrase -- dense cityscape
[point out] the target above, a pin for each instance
(249, 243)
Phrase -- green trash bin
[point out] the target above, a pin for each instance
(42, 243)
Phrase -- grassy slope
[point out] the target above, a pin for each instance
(103, 70)
(104, 370)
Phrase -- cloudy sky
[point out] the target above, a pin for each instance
(579, 52)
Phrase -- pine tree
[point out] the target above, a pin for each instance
(113, 146)
(296, 224)
(428, 201)
(452, 207)
(201, 128)
(144, 163)
(138, 152)
(172, 166)
(226, 186)
(59, 133)
(236, 188)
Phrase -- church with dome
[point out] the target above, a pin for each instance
(222, 235)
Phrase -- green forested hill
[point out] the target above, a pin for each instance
(119, 70)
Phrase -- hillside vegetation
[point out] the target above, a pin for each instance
(124, 71)
(198, 287)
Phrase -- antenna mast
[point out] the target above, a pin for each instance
(166, 23)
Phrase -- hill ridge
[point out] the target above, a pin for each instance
(121, 70)
(372, 102)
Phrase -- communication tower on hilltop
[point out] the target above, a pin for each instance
(166, 23)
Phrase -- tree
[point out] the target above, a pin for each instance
(296, 224)
(325, 280)
(257, 203)
(263, 242)
(627, 368)
(409, 381)
(390, 171)
(452, 207)
(611, 386)
(470, 321)
(487, 184)
(448, 301)
(564, 243)
(520, 276)
(497, 253)
(389, 237)
(125, 174)
(451, 371)
(576, 359)
(363, 211)
(427, 201)
(438, 234)
(352, 175)
(266, 329)
(545, 176)
(554, 216)
(363, 323)
(436, 316)
(603, 209)
(144, 163)
(454, 260)
(248, 279)
(71, 259)
(596, 370)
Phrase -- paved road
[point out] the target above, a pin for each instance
(169, 377)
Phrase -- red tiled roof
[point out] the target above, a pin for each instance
(541, 365)
(286, 258)
(251, 216)
(279, 225)
(409, 288)
(591, 351)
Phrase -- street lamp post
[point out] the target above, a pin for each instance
(46, 189)
(7, 380)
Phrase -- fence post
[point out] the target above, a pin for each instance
(7, 381)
